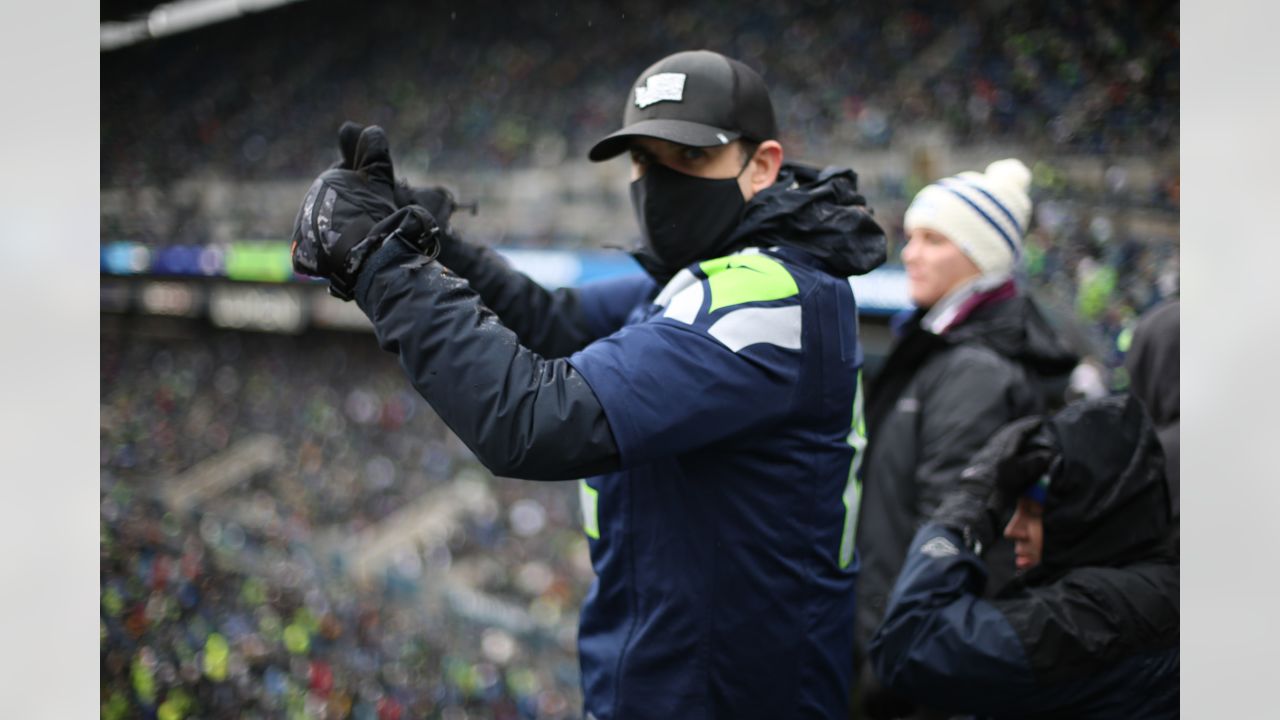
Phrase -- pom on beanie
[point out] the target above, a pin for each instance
(984, 214)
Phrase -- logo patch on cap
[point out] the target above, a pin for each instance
(660, 87)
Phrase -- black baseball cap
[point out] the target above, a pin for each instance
(696, 97)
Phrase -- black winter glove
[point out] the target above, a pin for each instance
(1020, 472)
(437, 200)
(997, 473)
(350, 211)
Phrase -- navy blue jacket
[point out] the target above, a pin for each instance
(714, 421)
(1092, 631)
(723, 544)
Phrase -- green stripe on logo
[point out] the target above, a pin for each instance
(737, 279)
(589, 498)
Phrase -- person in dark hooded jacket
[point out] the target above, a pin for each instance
(974, 355)
(1090, 627)
(1152, 362)
(708, 403)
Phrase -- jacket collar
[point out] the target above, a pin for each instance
(816, 212)
(958, 304)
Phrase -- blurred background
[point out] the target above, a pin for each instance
(287, 530)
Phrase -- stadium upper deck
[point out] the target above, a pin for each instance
(490, 85)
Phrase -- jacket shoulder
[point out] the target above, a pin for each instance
(748, 278)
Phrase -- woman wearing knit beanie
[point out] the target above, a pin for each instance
(975, 354)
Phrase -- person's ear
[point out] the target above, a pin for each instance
(764, 166)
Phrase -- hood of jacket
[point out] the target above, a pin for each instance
(1107, 502)
(1017, 329)
(819, 212)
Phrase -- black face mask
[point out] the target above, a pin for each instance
(683, 218)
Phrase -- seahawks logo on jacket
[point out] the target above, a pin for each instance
(746, 277)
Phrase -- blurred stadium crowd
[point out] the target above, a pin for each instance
(258, 602)
(487, 84)
(254, 603)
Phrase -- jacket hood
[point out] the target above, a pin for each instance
(1107, 501)
(819, 212)
(1018, 330)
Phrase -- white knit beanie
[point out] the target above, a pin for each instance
(984, 214)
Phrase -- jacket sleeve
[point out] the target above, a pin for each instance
(967, 403)
(523, 415)
(942, 643)
(552, 323)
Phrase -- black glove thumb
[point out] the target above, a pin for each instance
(439, 201)
(348, 136)
(372, 161)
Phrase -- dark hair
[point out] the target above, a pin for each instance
(748, 149)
